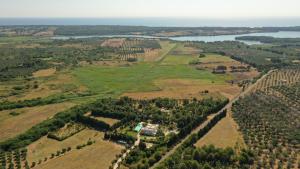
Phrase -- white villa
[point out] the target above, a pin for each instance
(150, 129)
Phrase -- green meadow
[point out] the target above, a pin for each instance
(113, 81)
(178, 60)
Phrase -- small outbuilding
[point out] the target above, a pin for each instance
(138, 127)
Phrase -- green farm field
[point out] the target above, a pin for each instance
(113, 81)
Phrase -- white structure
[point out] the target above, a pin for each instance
(150, 129)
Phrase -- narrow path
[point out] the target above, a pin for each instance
(160, 59)
(136, 143)
(202, 125)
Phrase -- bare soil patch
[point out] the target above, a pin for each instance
(44, 73)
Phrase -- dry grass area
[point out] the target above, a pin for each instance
(184, 88)
(182, 50)
(28, 46)
(96, 156)
(238, 76)
(44, 73)
(11, 126)
(49, 32)
(224, 134)
(114, 43)
(211, 61)
(151, 54)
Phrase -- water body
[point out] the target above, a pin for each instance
(104, 36)
(281, 34)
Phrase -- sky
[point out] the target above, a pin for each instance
(150, 8)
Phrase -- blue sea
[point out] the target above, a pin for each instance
(157, 22)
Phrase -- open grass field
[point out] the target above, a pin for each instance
(181, 49)
(11, 126)
(224, 134)
(158, 54)
(178, 59)
(98, 155)
(171, 76)
(209, 58)
(114, 81)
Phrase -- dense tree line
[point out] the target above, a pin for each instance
(42, 129)
(269, 39)
(114, 136)
(127, 30)
(261, 58)
(117, 109)
(90, 122)
(8, 105)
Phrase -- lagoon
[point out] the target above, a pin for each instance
(280, 34)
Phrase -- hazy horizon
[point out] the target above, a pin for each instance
(213, 9)
(157, 22)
